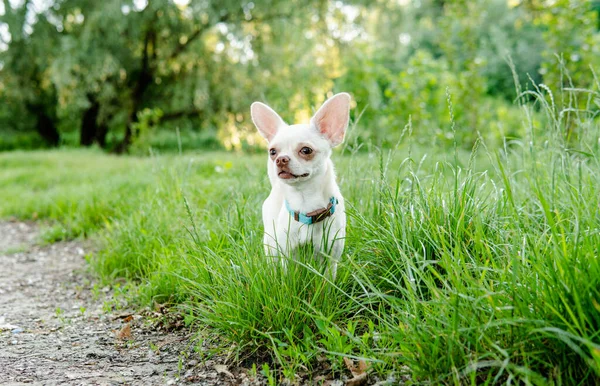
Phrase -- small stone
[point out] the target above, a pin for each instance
(192, 363)
(6, 326)
(13, 342)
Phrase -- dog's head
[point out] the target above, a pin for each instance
(300, 152)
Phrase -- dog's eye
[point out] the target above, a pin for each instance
(306, 150)
(272, 151)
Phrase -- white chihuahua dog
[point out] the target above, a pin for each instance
(305, 204)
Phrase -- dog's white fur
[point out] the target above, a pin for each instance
(306, 184)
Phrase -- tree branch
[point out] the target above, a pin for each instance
(180, 114)
(195, 35)
(268, 17)
(224, 18)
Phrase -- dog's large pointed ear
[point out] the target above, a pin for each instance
(332, 118)
(266, 120)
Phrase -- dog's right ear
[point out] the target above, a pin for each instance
(266, 120)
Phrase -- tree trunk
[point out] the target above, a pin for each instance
(47, 129)
(101, 133)
(146, 74)
(45, 126)
(89, 124)
(144, 80)
(92, 130)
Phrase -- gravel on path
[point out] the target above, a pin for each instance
(58, 328)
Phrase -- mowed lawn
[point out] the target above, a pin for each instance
(458, 268)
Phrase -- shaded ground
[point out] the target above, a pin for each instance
(56, 327)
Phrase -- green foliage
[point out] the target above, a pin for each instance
(12, 140)
(419, 95)
(84, 72)
(573, 43)
(97, 67)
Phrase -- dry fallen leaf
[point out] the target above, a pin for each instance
(128, 319)
(359, 373)
(222, 369)
(362, 366)
(160, 308)
(122, 315)
(125, 332)
(349, 364)
(357, 380)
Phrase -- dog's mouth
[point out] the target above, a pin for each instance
(287, 175)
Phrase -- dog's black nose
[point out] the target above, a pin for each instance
(282, 160)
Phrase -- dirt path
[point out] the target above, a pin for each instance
(56, 328)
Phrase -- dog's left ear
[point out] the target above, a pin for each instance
(332, 118)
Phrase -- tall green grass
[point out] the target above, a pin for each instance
(459, 267)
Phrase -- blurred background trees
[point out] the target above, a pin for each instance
(128, 75)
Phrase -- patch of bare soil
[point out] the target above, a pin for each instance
(54, 331)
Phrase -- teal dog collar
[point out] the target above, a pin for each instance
(314, 216)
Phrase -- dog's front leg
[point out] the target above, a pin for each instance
(332, 243)
(274, 250)
(280, 245)
(336, 254)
